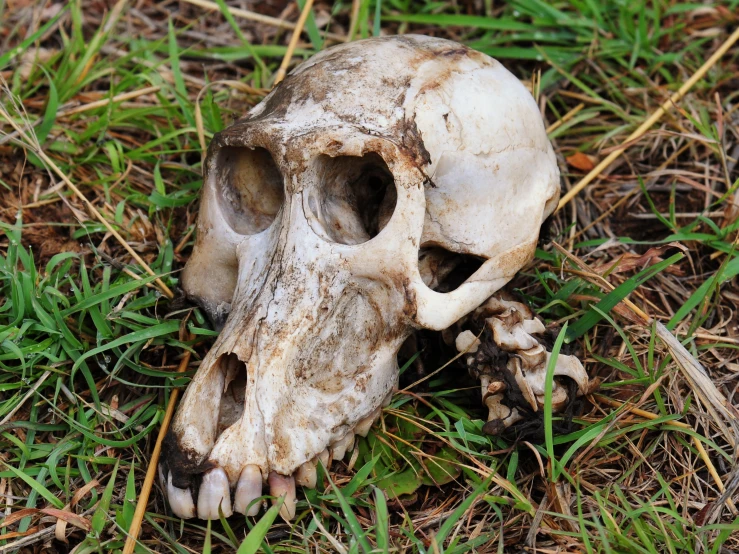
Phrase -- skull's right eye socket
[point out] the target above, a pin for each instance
(249, 188)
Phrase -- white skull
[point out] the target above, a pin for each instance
(328, 214)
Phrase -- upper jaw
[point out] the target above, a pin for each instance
(305, 397)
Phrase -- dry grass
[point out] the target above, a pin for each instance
(89, 344)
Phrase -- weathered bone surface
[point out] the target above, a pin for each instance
(384, 186)
(519, 362)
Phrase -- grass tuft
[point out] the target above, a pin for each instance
(122, 101)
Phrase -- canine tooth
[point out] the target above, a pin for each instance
(325, 458)
(214, 491)
(340, 447)
(279, 485)
(363, 427)
(248, 489)
(162, 480)
(180, 500)
(305, 476)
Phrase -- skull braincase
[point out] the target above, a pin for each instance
(316, 209)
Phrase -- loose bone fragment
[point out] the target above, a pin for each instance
(384, 186)
(513, 327)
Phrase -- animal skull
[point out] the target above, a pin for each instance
(331, 218)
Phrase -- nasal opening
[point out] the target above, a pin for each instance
(234, 390)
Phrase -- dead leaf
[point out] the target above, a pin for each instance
(629, 262)
(581, 161)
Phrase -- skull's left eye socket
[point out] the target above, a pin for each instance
(249, 188)
(356, 199)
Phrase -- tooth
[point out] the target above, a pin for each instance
(180, 500)
(340, 447)
(306, 476)
(325, 458)
(162, 480)
(214, 491)
(279, 485)
(363, 427)
(248, 488)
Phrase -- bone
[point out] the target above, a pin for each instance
(533, 326)
(496, 386)
(341, 446)
(248, 489)
(306, 475)
(514, 365)
(510, 336)
(496, 409)
(500, 414)
(559, 398)
(573, 368)
(467, 342)
(363, 427)
(180, 500)
(279, 485)
(214, 491)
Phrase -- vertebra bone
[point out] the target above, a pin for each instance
(513, 328)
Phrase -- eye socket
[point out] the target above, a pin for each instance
(249, 188)
(356, 198)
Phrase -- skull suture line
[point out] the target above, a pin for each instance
(331, 218)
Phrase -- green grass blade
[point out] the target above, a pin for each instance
(23, 46)
(253, 540)
(548, 389)
(610, 300)
(382, 530)
(355, 527)
(458, 513)
(101, 513)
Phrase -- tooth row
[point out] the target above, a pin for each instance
(215, 491)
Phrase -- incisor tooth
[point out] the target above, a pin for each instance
(214, 491)
(305, 476)
(180, 500)
(339, 448)
(279, 485)
(248, 489)
(363, 427)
